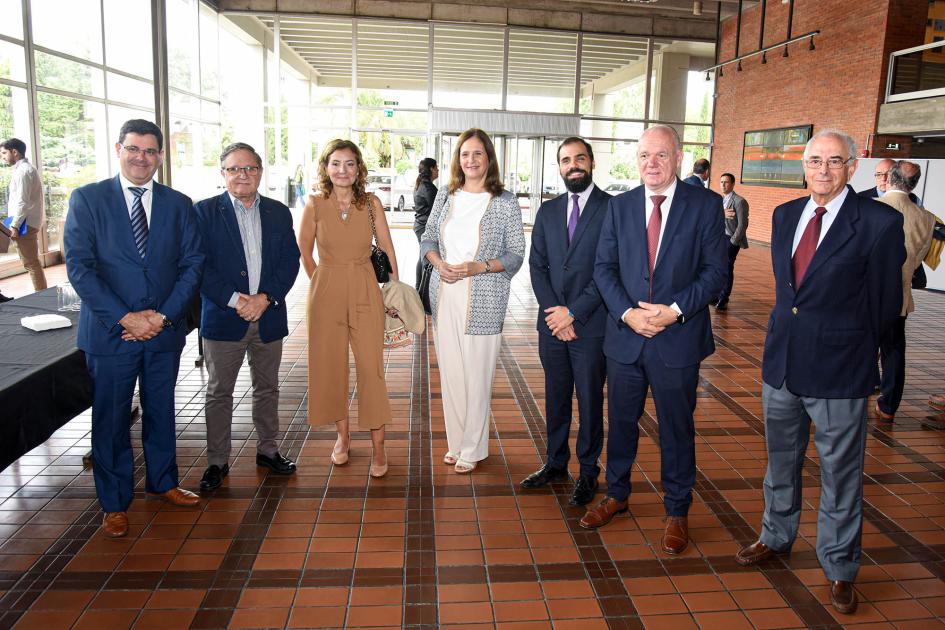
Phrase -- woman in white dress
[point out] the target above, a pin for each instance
(475, 241)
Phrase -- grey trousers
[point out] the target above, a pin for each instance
(840, 439)
(224, 360)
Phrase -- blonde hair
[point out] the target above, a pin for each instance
(324, 182)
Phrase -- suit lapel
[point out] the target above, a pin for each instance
(636, 223)
(265, 225)
(118, 208)
(591, 208)
(158, 225)
(841, 230)
(225, 207)
(676, 211)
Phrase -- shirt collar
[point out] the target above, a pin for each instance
(833, 206)
(583, 196)
(239, 204)
(126, 183)
(668, 193)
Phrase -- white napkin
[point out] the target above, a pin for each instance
(45, 322)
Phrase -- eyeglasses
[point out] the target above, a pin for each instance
(834, 162)
(133, 150)
(883, 174)
(245, 170)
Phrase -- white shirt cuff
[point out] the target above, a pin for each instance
(676, 308)
(234, 299)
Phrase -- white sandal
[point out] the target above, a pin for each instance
(449, 459)
(463, 467)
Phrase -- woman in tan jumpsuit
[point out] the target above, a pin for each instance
(344, 301)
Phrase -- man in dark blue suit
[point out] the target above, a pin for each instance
(133, 256)
(252, 263)
(837, 261)
(570, 319)
(661, 259)
(700, 173)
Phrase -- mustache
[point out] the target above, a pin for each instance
(575, 170)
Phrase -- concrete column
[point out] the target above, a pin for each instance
(671, 73)
(603, 150)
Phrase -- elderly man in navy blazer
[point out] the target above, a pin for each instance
(837, 261)
(661, 259)
(571, 319)
(133, 256)
(252, 263)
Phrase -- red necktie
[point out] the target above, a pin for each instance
(807, 246)
(653, 234)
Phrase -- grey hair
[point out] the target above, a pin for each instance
(836, 134)
(671, 131)
(899, 180)
(239, 146)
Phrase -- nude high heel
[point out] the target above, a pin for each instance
(379, 471)
(340, 458)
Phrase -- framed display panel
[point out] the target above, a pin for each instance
(774, 157)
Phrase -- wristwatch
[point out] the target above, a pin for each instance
(680, 319)
(488, 266)
(165, 322)
(272, 301)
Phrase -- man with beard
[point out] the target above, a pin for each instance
(571, 318)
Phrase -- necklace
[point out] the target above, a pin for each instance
(343, 209)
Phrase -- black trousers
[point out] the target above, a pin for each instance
(892, 358)
(732, 255)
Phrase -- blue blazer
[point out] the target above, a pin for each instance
(823, 337)
(563, 275)
(690, 270)
(694, 180)
(112, 279)
(226, 270)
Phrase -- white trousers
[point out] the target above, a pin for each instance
(467, 367)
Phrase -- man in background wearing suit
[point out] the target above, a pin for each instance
(700, 173)
(736, 227)
(133, 256)
(918, 224)
(660, 259)
(880, 175)
(252, 263)
(570, 319)
(837, 261)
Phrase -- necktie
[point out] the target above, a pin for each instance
(573, 219)
(807, 246)
(139, 220)
(653, 234)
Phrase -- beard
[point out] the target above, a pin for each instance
(580, 184)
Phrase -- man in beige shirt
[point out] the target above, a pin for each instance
(25, 206)
(917, 225)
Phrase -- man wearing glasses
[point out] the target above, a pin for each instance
(837, 260)
(252, 262)
(133, 255)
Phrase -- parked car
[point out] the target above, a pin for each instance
(401, 194)
(380, 186)
(615, 188)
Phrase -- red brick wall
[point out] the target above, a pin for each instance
(838, 85)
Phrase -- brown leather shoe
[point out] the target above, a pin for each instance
(603, 513)
(843, 597)
(676, 536)
(754, 553)
(179, 497)
(115, 524)
(937, 402)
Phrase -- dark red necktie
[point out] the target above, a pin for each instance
(653, 234)
(807, 246)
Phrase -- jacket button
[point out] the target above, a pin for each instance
(794, 310)
(243, 273)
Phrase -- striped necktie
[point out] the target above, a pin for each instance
(139, 220)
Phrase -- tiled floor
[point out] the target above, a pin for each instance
(332, 547)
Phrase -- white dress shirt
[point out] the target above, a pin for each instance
(25, 203)
(833, 207)
(130, 196)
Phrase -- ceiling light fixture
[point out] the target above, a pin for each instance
(697, 7)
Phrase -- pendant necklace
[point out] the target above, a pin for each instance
(344, 210)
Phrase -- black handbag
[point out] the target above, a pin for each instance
(379, 259)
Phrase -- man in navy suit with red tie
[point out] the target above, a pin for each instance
(571, 319)
(661, 259)
(133, 256)
(837, 261)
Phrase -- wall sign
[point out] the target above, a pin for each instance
(773, 157)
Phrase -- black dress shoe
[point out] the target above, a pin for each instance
(4, 298)
(541, 477)
(277, 463)
(213, 477)
(584, 490)
(722, 305)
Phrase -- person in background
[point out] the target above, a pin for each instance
(424, 193)
(25, 206)
(736, 227)
(476, 242)
(700, 173)
(345, 308)
(252, 262)
(133, 255)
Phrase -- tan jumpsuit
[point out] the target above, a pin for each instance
(345, 307)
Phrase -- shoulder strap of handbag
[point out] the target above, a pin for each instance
(371, 214)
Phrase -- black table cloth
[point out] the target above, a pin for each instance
(44, 382)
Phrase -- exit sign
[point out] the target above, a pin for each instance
(388, 112)
(892, 146)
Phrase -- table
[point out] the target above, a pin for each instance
(44, 381)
